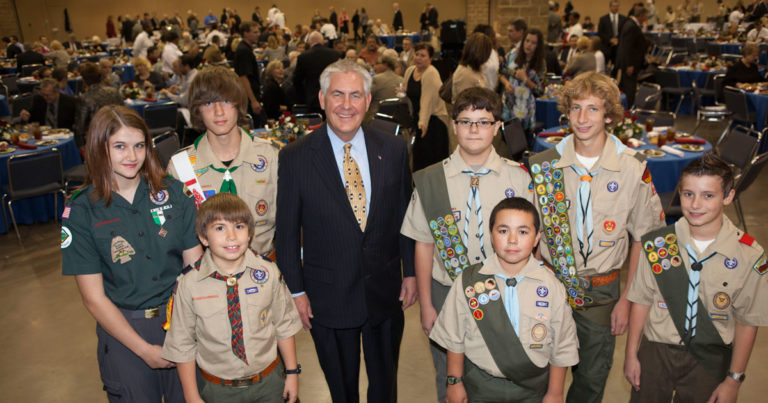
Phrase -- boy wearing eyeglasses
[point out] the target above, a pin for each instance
(451, 205)
(596, 200)
(697, 297)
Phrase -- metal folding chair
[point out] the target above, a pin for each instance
(165, 146)
(744, 180)
(669, 81)
(739, 146)
(161, 117)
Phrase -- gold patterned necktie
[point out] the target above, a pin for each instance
(353, 184)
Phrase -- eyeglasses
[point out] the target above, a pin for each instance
(482, 124)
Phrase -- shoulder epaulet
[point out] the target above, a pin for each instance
(186, 269)
(747, 239)
(275, 144)
(639, 156)
(525, 168)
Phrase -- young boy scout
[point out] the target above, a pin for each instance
(227, 158)
(509, 318)
(451, 204)
(593, 193)
(697, 298)
(230, 313)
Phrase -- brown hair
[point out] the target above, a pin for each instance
(106, 122)
(216, 84)
(223, 206)
(537, 58)
(477, 98)
(476, 51)
(597, 84)
(710, 165)
(91, 73)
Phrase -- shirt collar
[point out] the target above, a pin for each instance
(358, 141)
(207, 266)
(205, 155)
(456, 164)
(530, 270)
(609, 157)
(726, 242)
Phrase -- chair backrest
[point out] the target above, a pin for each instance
(398, 108)
(714, 49)
(514, 136)
(161, 115)
(736, 102)
(28, 69)
(19, 102)
(73, 65)
(739, 146)
(4, 90)
(386, 124)
(249, 118)
(648, 95)
(660, 118)
(667, 78)
(692, 50)
(314, 118)
(750, 174)
(10, 81)
(165, 146)
(300, 109)
(35, 173)
(680, 44)
(717, 85)
(676, 57)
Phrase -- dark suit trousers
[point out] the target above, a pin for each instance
(338, 351)
(628, 86)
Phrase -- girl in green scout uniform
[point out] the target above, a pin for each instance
(596, 200)
(451, 206)
(506, 324)
(697, 298)
(232, 314)
(125, 236)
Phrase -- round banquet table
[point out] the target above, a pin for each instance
(665, 171)
(687, 77)
(549, 116)
(389, 40)
(38, 209)
(128, 71)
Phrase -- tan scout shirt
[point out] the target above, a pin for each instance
(729, 295)
(457, 331)
(255, 178)
(200, 328)
(632, 208)
(506, 179)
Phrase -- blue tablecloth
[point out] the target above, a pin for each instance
(4, 109)
(686, 78)
(128, 71)
(7, 70)
(138, 104)
(548, 115)
(389, 40)
(38, 209)
(665, 171)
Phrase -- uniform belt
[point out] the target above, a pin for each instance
(148, 313)
(242, 382)
(597, 281)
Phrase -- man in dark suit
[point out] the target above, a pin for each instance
(309, 65)
(29, 56)
(73, 43)
(397, 21)
(608, 29)
(630, 55)
(51, 108)
(343, 192)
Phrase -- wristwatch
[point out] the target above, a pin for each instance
(737, 376)
(294, 371)
(452, 380)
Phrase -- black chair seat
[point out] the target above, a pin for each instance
(32, 192)
(676, 91)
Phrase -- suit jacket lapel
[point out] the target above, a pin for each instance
(376, 166)
(328, 171)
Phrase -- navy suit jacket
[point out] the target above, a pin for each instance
(350, 276)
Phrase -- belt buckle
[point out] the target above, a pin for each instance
(586, 283)
(151, 313)
(242, 383)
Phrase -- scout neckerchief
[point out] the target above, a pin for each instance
(511, 302)
(474, 197)
(233, 311)
(663, 254)
(433, 192)
(694, 276)
(227, 183)
(500, 337)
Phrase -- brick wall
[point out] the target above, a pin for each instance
(499, 12)
(8, 23)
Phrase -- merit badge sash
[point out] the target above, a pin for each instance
(485, 302)
(549, 188)
(187, 176)
(433, 191)
(664, 256)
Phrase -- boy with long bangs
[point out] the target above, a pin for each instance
(697, 298)
(596, 200)
(231, 315)
(452, 202)
(506, 324)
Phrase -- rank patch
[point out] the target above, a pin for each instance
(66, 237)
(262, 207)
(160, 197)
(260, 275)
(721, 300)
(121, 250)
(538, 332)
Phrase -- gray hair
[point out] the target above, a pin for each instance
(345, 66)
(315, 37)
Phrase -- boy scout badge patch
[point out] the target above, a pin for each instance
(731, 263)
(121, 250)
(469, 291)
(647, 175)
(613, 186)
(260, 275)
(760, 265)
(478, 314)
(260, 165)
(542, 291)
(539, 332)
(158, 216)
(159, 198)
(509, 193)
(65, 213)
(261, 207)
(66, 237)
(721, 300)
(479, 287)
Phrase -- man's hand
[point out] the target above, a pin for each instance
(630, 70)
(255, 107)
(614, 41)
(620, 317)
(632, 371)
(151, 356)
(428, 317)
(24, 115)
(291, 388)
(726, 392)
(408, 292)
(456, 393)
(305, 310)
(423, 129)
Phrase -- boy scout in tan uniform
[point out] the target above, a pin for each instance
(254, 174)
(445, 228)
(589, 215)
